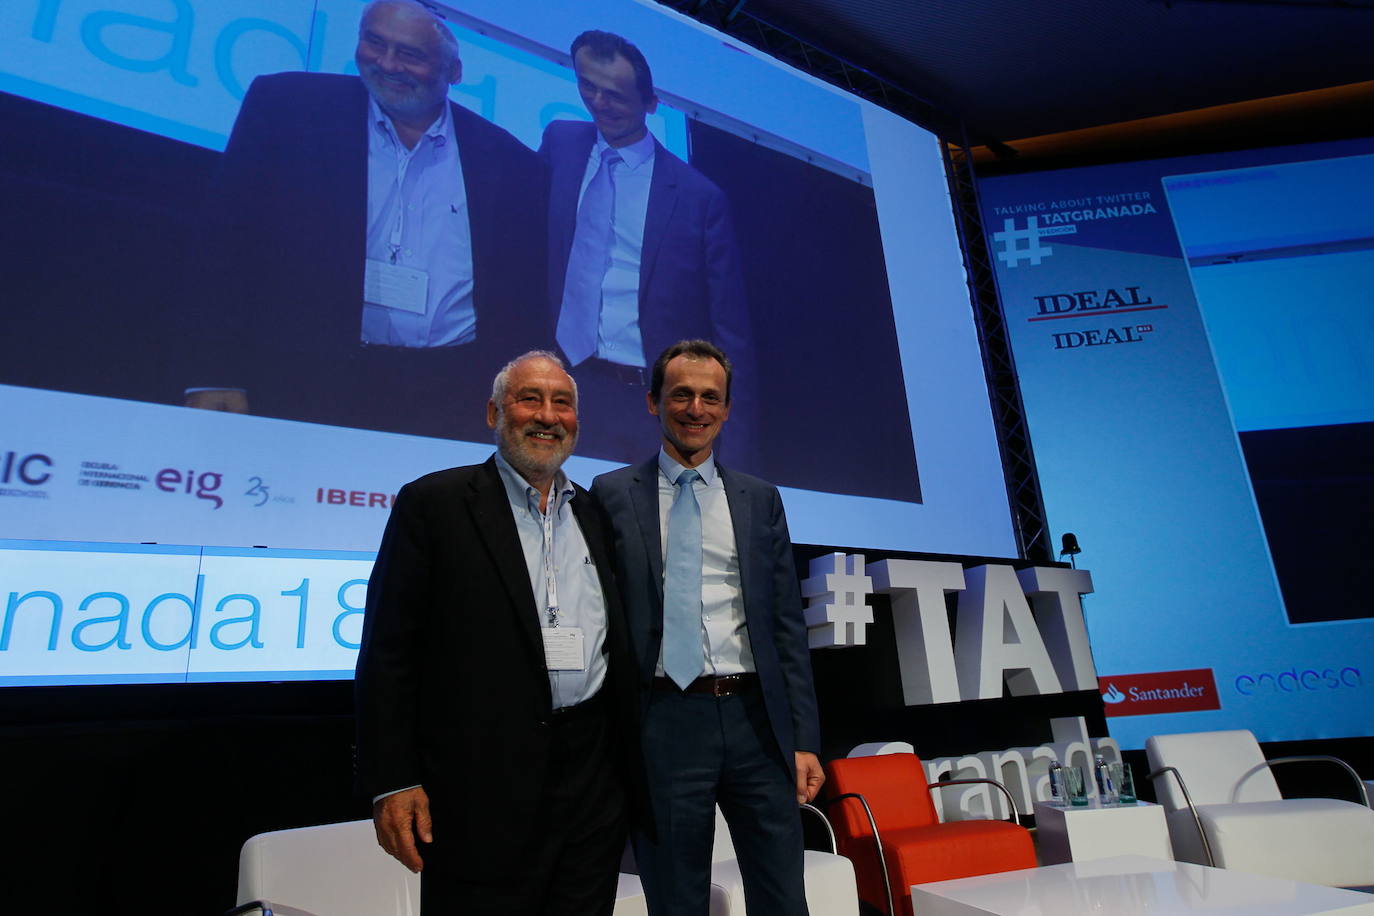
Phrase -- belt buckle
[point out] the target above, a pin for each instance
(720, 687)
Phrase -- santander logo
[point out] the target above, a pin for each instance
(1159, 692)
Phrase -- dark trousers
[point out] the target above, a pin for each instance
(701, 750)
(575, 841)
(613, 419)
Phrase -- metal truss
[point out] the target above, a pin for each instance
(1008, 413)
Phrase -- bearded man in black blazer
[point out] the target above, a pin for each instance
(373, 252)
(495, 697)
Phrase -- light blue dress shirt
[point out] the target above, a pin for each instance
(581, 603)
(617, 338)
(725, 645)
(422, 191)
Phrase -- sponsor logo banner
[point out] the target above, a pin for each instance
(25, 474)
(1159, 691)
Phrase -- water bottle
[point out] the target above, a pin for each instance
(1106, 788)
(1057, 794)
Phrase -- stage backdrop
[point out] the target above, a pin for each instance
(1195, 343)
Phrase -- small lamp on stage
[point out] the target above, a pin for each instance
(1068, 547)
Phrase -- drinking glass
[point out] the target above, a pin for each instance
(1076, 787)
(1125, 783)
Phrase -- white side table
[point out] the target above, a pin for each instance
(1095, 831)
(1133, 886)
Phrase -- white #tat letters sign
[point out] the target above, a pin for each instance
(1024, 629)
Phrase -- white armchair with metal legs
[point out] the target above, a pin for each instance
(330, 870)
(830, 886)
(1224, 809)
(339, 870)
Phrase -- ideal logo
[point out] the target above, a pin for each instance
(1100, 337)
(1071, 305)
(1058, 306)
(202, 486)
(1159, 692)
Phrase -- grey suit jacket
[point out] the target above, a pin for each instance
(768, 580)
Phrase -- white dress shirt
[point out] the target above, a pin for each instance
(724, 635)
(580, 601)
(617, 335)
(417, 217)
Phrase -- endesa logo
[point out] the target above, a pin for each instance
(1159, 691)
(1298, 680)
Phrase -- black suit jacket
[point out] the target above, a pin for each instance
(276, 298)
(452, 689)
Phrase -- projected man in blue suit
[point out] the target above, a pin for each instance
(704, 563)
(641, 249)
(376, 249)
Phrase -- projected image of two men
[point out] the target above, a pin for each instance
(373, 244)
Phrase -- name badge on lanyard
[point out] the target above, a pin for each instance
(563, 649)
(386, 283)
(395, 287)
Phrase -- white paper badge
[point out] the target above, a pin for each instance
(391, 286)
(563, 648)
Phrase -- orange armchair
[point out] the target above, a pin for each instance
(885, 823)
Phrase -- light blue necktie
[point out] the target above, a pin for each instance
(682, 655)
(587, 263)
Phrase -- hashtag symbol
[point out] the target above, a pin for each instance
(836, 614)
(1013, 252)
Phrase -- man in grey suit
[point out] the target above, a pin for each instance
(704, 562)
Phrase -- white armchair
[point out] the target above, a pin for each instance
(830, 886)
(339, 870)
(331, 870)
(1224, 809)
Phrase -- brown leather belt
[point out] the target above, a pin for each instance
(723, 686)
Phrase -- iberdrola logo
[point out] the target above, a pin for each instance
(1113, 695)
